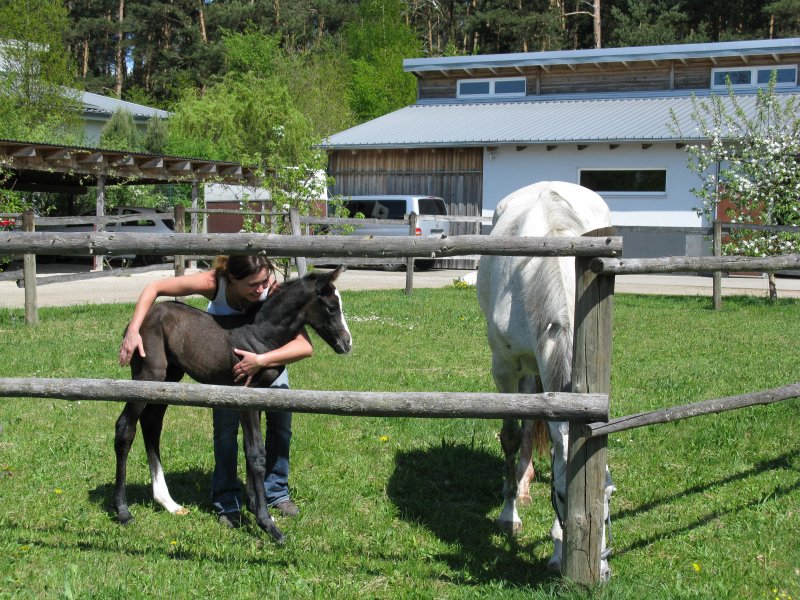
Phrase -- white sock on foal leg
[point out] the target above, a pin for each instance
(161, 492)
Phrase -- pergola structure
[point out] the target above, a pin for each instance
(39, 167)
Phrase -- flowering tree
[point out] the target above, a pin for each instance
(750, 161)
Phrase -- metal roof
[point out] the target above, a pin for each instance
(680, 52)
(614, 119)
(106, 105)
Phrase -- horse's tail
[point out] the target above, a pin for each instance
(541, 439)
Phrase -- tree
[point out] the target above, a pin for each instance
(38, 99)
(377, 41)
(750, 161)
(651, 23)
(784, 18)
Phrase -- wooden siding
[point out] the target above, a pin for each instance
(601, 77)
(455, 174)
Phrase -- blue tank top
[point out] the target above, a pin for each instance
(219, 306)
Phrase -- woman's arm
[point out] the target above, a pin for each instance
(203, 283)
(251, 363)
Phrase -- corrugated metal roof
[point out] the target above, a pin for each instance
(742, 48)
(637, 119)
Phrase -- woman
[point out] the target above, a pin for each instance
(233, 285)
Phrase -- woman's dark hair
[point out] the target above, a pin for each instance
(241, 266)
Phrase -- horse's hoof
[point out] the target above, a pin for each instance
(524, 500)
(554, 565)
(124, 517)
(181, 511)
(511, 528)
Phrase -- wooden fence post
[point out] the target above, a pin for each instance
(717, 274)
(100, 211)
(180, 226)
(193, 217)
(412, 231)
(294, 222)
(586, 464)
(29, 273)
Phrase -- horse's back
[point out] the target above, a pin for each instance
(529, 301)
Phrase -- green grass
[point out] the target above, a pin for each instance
(403, 508)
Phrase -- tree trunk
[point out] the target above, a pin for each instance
(597, 28)
(203, 35)
(120, 53)
(773, 289)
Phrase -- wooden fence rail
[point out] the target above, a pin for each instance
(581, 408)
(686, 411)
(77, 244)
(688, 264)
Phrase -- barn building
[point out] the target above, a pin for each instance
(484, 126)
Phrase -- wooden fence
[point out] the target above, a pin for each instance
(597, 262)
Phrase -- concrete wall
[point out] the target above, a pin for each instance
(507, 169)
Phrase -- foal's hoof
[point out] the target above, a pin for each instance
(511, 528)
(524, 500)
(181, 511)
(277, 536)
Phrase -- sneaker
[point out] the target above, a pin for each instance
(287, 508)
(231, 520)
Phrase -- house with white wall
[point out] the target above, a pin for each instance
(484, 126)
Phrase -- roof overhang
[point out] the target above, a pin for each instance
(458, 65)
(33, 166)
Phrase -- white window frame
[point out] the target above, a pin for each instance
(492, 93)
(631, 193)
(754, 71)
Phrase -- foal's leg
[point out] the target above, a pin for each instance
(256, 457)
(152, 420)
(124, 434)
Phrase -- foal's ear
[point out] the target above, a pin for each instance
(334, 275)
(328, 278)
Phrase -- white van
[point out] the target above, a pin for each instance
(398, 207)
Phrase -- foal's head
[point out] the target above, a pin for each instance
(324, 312)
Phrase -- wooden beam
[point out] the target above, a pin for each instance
(180, 165)
(25, 152)
(124, 161)
(155, 163)
(62, 154)
(93, 158)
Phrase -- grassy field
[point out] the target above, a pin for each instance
(403, 508)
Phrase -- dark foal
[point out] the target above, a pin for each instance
(180, 339)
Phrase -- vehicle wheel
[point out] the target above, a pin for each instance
(424, 265)
(394, 267)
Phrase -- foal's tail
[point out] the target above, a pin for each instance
(541, 439)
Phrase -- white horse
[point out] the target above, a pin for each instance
(529, 305)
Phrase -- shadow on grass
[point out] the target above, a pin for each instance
(450, 490)
(784, 462)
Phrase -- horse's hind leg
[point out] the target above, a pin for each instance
(525, 472)
(152, 421)
(124, 434)
(256, 457)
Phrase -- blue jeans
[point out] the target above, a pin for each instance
(226, 491)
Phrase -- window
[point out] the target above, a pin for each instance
(625, 180)
(491, 88)
(759, 76)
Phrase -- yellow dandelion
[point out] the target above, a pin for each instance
(384, 438)
(57, 490)
(696, 567)
(174, 542)
(25, 548)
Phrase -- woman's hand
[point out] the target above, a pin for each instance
(130, 344)
(248, 366)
